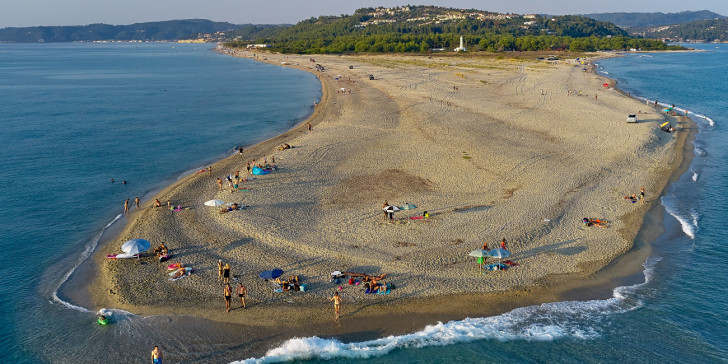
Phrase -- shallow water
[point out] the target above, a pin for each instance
(73, 117)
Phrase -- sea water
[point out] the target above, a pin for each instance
(75, 116)
(676, 314)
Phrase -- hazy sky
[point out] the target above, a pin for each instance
(21, 13)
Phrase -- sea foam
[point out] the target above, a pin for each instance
(548, 321)
(88, 250)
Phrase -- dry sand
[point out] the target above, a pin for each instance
(492, 148)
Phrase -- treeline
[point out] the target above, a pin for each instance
(404, 43)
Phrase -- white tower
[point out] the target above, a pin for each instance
(462, 46)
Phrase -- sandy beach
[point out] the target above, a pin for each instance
(491, 147)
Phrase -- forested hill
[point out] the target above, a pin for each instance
(714, 30)
(643, 20)
(153, 31)
(428, 28)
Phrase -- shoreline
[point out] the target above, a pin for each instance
(549, 288)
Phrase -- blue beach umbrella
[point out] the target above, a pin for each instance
(271, 274)
(408, 206)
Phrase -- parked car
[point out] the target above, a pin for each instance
(371, 77)
(631, 118)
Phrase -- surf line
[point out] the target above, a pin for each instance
(84, 255)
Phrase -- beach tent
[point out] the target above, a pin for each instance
(259, 171)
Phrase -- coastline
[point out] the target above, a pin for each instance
(428, 309)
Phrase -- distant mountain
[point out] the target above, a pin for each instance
(171, 30)
(714, 30)
(643, 20)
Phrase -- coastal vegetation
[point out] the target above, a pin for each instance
(421, 29)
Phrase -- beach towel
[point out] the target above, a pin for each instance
(495, 266)
(120, 256)
(417, 217)
(188, 271)
(510, 263)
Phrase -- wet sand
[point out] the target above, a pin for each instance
(492, 148)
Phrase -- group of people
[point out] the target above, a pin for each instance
(634, 198)
(241, 291)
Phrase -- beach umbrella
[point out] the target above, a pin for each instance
(135, 246)
(214, 203)
(271, 274)
(408, 206)
(500, 254)
(391, 208)
(480, 253)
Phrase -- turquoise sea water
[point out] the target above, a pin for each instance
(674, 314)
(74, 116)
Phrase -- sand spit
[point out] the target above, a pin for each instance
(491, 148)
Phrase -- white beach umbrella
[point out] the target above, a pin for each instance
(391, 208)
(135, 246)
(214, 203)
(500, 254)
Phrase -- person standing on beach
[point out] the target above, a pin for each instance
(209, 170)
(156, 355)
(309, 127)
(384, 207)
(219, 184)
(136, 202)
(503, 243)
(242, 292)
(126, 206)
(337, 304)
(219, 269)
(247, 166)
(228, 296)
(642, 195)
(226, 274)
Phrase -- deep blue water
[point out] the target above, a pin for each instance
(74, 116)
(675, 315)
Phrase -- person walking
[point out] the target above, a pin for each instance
(642, 195)
(219, 269)
(126, 206)
(136, 202)
(384, 207)
(228, 292)
(157, 355)
(337, 304)
(242, 293)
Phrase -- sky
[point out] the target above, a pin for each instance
(23, 13)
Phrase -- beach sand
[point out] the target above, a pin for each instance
(491, 147)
